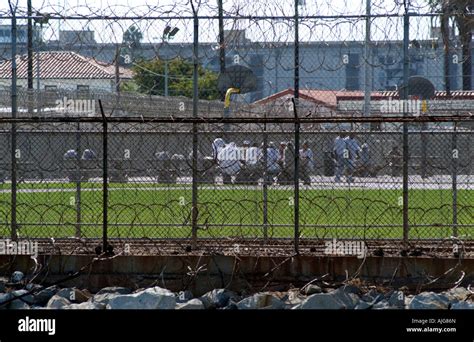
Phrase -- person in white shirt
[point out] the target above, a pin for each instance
(251, 161)
(252, 154)
(248, 157)
(307, 163)
(217, 145)
(287, 161)
(353, 149)
(339, 153)
(228, 161)
(273, 167)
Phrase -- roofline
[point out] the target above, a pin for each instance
(85, 59)
(290, 91)
(110, 77)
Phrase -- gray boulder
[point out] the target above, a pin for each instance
(152, 298)
(293, 298)
(18, 305)
(264, 300)
(193, 304)
(462, 306)
(372, 297)
(397, 299)
(429, 301)
(17, 277)
(27, 297)
(351, 289)
(457, 294)
(362, 306)
(4, 297)
(231, 306)
(114, 290)
(382, 305)
(42, 297)
(217, 298)
(3, 282)
(312, 289)
(337, 299)
(184, 296)
(34, 287)
(57, 302)
(85, 306)
(107, 293)
(23, 302)
(74, 295)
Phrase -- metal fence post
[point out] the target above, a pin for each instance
(105, 176)
(296, 178)
(406, 71)
(13, 129)
(265, 180)
(30, 57)
(194, 213)
(454, 170)
(368, 64)
(297, 133)
(221, 42)
(78, 181)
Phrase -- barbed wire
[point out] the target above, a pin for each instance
(168, 180)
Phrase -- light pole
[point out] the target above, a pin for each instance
(168, 34)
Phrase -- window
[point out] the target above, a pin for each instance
(50, 87)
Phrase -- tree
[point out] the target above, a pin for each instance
(150, 79)
(462, 11)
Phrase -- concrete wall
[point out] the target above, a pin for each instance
(42, 152)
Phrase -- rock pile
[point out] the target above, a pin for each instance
(14, 294)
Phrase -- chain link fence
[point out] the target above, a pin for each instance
(214, 125)
(240, 192)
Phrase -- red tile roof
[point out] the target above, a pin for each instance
(64, 65)
(330, 98)
(327, 98)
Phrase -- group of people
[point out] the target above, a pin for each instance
(246, 163)
(350, 157)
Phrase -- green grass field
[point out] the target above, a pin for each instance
(154, 210)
